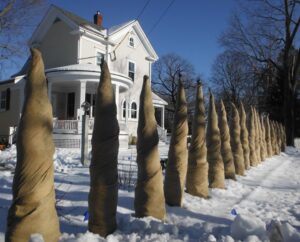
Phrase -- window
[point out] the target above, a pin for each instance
(124, 109)
(131, 70)
(4, 100)
(99, 57)
(133, 109)
(131, 41)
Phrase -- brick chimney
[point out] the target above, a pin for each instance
(98, 19)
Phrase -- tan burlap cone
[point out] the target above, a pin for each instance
(261, 140)
(268, 137)
(33, 205)
(244, 136)
(278, 138)
(282, 134)
(149, 195)
(103, 196)
(177, 157)
(263, 136)
(197, 173)
(235, 140)
(225, 144)
(273, 138)
(216, 174)
(257, 137)
(252, 138)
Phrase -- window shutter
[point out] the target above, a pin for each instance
(7, 99)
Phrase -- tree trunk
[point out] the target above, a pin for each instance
(289, 117)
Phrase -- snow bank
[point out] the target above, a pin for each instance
(244, 226)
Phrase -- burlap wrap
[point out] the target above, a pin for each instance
(252, 138)
(268, 138)
(225, 143)
(197, 173)
(236, 145)
(177, 157)
(33, 206)
(277, 134)
(282, 134)
(244, 136)
(257, 137)
(149, 195)
(263, 138)
(103, 196)
(216, 174)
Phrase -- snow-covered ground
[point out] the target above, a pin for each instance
(260, 205)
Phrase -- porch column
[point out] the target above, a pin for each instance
(163, 117)
(81, 97)
(22, 89)
(49, 90)
(117, 97)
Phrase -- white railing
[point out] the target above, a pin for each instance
(65, 126)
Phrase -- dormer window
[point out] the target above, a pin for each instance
(131, 42)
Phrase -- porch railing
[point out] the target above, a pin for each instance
(65, 126)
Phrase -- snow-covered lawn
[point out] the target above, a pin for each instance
(266, 200)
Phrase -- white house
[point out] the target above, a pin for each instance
(72, 49)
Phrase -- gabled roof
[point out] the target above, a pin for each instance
(79, 20)
(118, 27)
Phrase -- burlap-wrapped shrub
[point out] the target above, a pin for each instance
(282, 134)
(197, 173)
(177, 157)
(252, 138)
(33, 205)
(103, 196)
(216, 175)
(236, 145)
(268, 137)
(261, 140)
(263, 132)
(244, 136)
(225, 143)
(257, 136)
(149, 195)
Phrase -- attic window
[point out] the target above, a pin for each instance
(131, 41)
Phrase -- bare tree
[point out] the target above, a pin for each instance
(269, 35)
(166, 73)
(233, 79)
(17, 20)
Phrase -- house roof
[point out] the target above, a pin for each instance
(118, 27)
(158, 100)
(79, 20)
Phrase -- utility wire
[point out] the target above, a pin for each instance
(161, 16)
(143, 9)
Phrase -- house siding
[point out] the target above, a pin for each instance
(137, 55)
(88, 50)
(59, 46)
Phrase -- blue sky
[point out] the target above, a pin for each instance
(190, 28)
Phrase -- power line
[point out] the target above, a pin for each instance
(161, 16)
(143, 9)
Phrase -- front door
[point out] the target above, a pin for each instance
(71, 105)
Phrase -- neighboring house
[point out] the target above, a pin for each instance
(72, 50)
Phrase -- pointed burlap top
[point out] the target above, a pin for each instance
(149, 196)
(236, 145)
(216, 174)
(177, 157)
(103, 196)
(257, 137)
(33, 206)
(244, 136)
(197, 173)
(225, 143)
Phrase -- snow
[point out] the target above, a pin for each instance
(263, 204)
